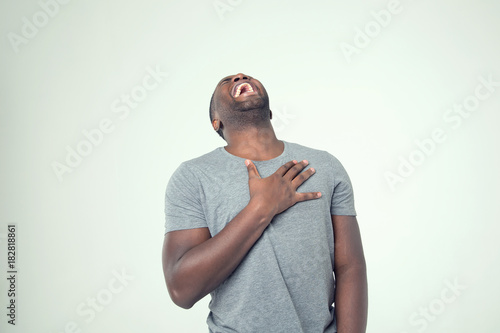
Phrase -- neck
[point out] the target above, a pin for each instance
(254, 143)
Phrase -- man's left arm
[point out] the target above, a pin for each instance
(351, 295)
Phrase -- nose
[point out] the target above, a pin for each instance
(240, 76)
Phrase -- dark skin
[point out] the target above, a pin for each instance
(246, 126)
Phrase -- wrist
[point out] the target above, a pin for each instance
(263, 212)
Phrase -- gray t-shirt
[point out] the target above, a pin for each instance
(285, 283)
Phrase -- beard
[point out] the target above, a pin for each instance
(253, 112)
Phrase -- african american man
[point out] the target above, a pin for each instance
(273, 257)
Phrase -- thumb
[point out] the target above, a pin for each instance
(252, 170)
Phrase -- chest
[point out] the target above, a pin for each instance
(225, 193)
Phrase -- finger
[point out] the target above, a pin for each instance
(302, 177)
(307, 196)
(285, 167)
(295, 170)
(252, 170)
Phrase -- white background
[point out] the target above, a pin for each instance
(77, 230)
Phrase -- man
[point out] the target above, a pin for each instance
(237, 228)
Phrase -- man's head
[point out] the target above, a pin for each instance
(239, 101)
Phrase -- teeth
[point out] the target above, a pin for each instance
(238, 89)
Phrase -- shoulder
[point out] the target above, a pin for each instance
(189, 172)
(200, 163)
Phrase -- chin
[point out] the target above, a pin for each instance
(252, 104)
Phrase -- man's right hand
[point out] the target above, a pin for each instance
(278, 192)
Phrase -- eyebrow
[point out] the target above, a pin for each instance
(224, 79)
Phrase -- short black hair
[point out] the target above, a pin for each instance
(211, 112)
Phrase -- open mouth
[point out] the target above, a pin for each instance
(242, 88)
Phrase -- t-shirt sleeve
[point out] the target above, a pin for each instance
(183, 208)
(343, 195)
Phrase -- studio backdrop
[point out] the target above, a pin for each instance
(100, 101)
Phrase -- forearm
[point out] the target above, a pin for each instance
(201, 269)
(351, 299)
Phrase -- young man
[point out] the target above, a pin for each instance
(274, 259)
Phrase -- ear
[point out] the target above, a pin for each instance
(216, 124)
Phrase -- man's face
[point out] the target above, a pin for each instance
(240, 92)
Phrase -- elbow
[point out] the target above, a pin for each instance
(180, 297)
(179, 293)
(181, 289)
(180, 300)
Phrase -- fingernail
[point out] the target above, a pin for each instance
(294, 161)
(312, 169)
(319, 194)
(247, 162)
(305, 161)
